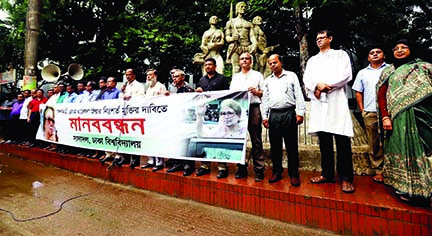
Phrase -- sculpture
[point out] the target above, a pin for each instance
(240, 36)
(212, 42)
(261, 55)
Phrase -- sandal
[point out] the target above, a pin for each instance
(321, 180)
(378, 178)
(347, 187)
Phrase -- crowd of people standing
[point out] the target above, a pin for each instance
(395, 101)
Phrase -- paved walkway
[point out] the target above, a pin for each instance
(114, 209)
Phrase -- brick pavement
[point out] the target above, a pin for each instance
(115, 209)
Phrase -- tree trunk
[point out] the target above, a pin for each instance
(32, 36)
(301, 35)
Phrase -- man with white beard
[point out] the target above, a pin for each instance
(155, 88)
(132, 89)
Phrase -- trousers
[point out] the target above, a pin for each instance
(255, 134)
(283, 126)
(344, 165)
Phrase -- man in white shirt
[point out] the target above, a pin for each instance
(28, 96)
(53, 99)
(365, 87)
(284, 109)
(155, 88)
(132, 88)
(252, 81)
(325, 78)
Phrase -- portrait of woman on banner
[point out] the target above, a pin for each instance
(48, 125)
(230, 121)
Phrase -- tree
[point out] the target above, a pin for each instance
(13, 30)
(32, 35)
(106, 37)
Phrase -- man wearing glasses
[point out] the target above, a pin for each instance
(284, 109)
(325, 78)
(365, 87)
(252, 81)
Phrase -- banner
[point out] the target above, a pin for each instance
(29, 82)
(192, 126)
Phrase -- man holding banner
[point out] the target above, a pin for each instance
(181, 87)
(252, 81)
(132, 89)
(33, 117)
(155, 88)
(212, 81)
(111, 92)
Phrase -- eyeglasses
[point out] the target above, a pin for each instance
(49, 119)
(228, 113)
(402, 48)
(245, 58)
(322, 37)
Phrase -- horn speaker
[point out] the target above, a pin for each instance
(51, 73)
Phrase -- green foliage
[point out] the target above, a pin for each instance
(166, 33)
(12, 32)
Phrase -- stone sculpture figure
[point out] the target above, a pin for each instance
(239, 34)
(212, 42)
(261, 55)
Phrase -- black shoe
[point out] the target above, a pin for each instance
(134, 163)
(25, 143)
(156, 168)
(222, 174)
(31, 145)
(90, 155)
(259, 176)
(61, 151)
(188, 171)
(107, 158)
(275, 178)
(121, 161)
(147, 165)
(116, 160)
(202, 171)
(295, 182)
(241, 173)
(175, 168)
(170, 163)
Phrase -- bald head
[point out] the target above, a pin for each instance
(275, 64)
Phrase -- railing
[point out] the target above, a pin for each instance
(359, 138)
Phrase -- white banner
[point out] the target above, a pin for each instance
(193, 126)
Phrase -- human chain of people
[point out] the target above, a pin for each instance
(399, 129)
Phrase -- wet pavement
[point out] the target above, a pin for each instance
(112, 209)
